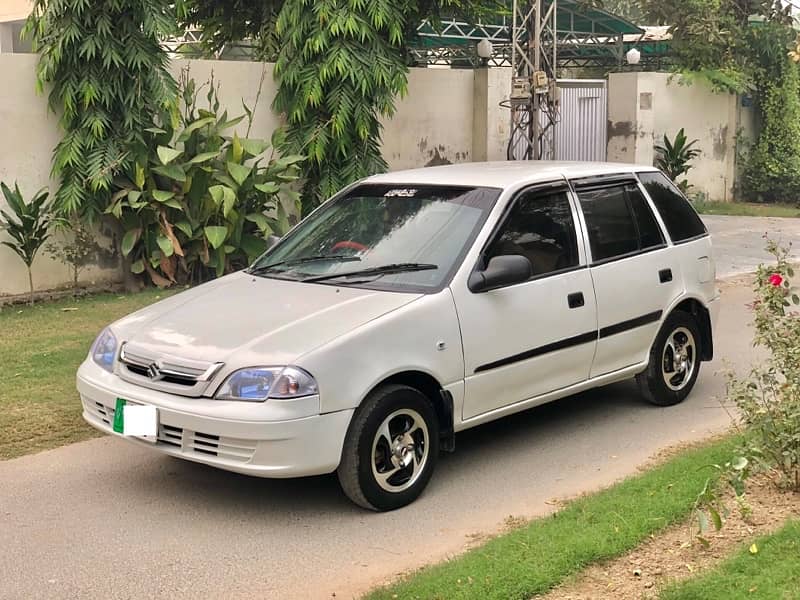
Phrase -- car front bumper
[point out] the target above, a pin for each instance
(309, 445)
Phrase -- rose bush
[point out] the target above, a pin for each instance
(768, 398)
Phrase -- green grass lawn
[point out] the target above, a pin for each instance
(772, 573)
(40, 350)
(536, 557)
(747, 209)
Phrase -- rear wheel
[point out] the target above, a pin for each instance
(674, 361)
(391, 449)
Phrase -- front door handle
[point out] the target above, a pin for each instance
(576, 300)
(665, 275)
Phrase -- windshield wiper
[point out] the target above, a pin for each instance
(300, 261)
(376, 271)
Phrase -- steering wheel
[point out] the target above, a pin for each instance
(348, 245)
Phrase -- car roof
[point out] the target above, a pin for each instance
(504, 174)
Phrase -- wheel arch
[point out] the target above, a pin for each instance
(440, 399)
(696, 308)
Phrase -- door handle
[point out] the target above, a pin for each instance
(665, 275)
(576, 300)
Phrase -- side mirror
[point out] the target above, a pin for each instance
(501, 271)
(272, 240)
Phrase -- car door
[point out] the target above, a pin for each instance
(524, 340)
(635, 274)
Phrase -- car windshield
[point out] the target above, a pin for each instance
(394, 237)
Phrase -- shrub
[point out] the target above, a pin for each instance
(674, 157)
(769, 397)
(77, 251)
(28, 225)
(772, 169)
(199, 203)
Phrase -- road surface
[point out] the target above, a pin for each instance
(107, 519)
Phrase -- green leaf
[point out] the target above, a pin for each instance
(139, 176)
(185, 227)
(239, 172)
(129, 240)
(261, 222)
(195, 126)
(268, 188)
(254, 147)
(203, 157)
(253, 246)
(236, 149)
(175, 172)
(162, 196)
(172, 203)
(166, 245)
(166, 155)
(216, 235)
(137, 267)
(216, 193)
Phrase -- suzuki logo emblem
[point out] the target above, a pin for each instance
(154, 372)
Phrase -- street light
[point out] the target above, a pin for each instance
(633, 56)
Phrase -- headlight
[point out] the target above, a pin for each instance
(104, 350)
(257, 384)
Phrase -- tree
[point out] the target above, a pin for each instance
(107, 76)
(714, 38)
(340, 64)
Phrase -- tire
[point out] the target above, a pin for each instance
(674, 361)
(407, 416)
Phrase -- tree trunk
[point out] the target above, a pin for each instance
(30, 283)
(74, 280)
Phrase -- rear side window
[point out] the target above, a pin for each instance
(680, 218)
(540, 228)
(619, 221)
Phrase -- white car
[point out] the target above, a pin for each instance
(409, 307)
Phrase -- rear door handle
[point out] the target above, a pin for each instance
(665, 275)
(576, 300)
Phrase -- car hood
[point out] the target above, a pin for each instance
(261, 320)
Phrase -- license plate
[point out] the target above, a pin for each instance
(136, 420)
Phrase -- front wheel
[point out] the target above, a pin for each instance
(391, 449)
(674, 361)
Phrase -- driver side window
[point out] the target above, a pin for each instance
(539, 227)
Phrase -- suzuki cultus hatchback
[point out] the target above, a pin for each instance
(409, 307)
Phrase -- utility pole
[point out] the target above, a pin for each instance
(533, 99)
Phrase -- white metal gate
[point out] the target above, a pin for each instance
(581, 125)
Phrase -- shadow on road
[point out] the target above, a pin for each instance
(478, 450)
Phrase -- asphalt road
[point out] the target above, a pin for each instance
(107, 519)
(739, 241)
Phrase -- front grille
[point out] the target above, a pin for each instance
(188, 442)
(165, 373)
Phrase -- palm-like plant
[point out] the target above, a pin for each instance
(674, 157)
(28, 224)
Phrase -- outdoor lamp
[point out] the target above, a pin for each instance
(485, 49)
(633, 56)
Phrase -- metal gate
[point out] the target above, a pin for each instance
(583, 120)
(581, 126)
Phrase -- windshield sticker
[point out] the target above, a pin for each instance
(401, 193)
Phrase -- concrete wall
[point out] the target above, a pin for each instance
(434, 124)
(642, 107)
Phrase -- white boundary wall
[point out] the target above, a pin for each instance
(435, 123)
(642, 107)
